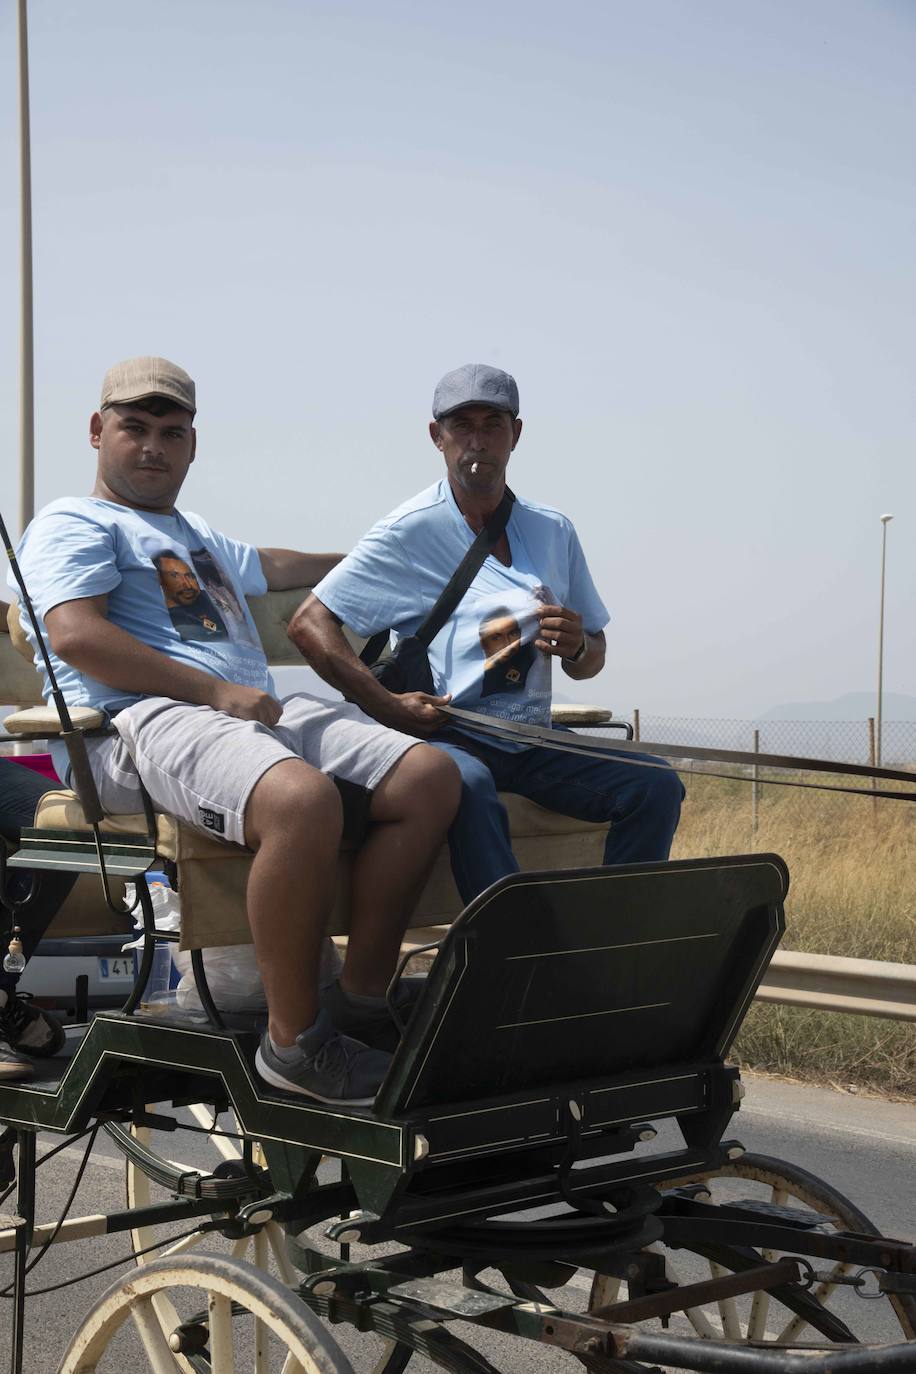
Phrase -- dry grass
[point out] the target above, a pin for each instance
(853, 868)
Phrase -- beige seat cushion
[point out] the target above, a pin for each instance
(42, 722)
(569, 713)
(272, 614)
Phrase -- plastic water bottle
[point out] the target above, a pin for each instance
(159, 993)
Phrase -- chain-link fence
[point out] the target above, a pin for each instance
(849, 741)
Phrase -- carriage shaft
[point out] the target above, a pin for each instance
(100, 1224)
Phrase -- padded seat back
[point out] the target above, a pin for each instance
(551, 978)
(213, 875)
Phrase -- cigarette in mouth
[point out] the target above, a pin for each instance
(474, 467)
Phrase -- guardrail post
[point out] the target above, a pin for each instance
(636, 723)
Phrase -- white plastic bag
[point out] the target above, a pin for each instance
(166, 906)
(234, 979)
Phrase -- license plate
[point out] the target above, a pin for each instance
(118, 970)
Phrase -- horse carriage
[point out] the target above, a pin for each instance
(552, 1155)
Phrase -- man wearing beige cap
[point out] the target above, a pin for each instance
(197, 718)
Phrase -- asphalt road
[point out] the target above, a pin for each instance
(864, 1147)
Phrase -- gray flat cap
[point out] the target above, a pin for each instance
(136, 378)
(475, 384)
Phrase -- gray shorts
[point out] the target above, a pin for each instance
(202, 765)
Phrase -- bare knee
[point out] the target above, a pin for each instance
(424, 785)
(294, 804)
(439, 782)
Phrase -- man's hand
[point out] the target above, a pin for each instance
(245, 703)
(561, 633)
(413, 713)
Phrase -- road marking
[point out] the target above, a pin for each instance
(808, 1124)
(74, 1154)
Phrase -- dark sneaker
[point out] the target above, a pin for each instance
(13, 1065)
(29, 1028)
(329, 1067)
(372, 1023)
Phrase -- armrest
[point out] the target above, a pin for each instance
(579, 715)
(43, 722)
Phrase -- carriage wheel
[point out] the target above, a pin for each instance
(266, 1249)
(234, 1318)
(761, 1316)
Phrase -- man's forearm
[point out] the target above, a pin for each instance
(285, 568)
(113, 656)
(317, 635)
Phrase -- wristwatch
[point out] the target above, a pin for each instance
(574, 658)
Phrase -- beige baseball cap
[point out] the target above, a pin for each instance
(136, 378)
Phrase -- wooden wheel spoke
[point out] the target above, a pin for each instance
(702, 1325)
(149, 1329)
(728, 1308)
(222, 1346)
(276, 1238)
(181, 1247)
(760, 1309)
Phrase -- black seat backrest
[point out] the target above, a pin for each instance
(589, 974)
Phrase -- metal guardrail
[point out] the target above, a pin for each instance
(864, 987)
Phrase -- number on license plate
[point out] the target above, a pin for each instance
(119, 969)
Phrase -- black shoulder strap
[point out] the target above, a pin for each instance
(466, 570)
(457, 584)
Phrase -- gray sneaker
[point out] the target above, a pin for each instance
(373, 1025)
(330, 1067)
(29, 1028)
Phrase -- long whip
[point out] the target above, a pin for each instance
(570, 743)
(83, 781)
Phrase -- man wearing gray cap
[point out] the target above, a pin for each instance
(532, 601)
(197, 718)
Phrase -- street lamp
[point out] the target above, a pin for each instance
(26, 344)
(885, 520)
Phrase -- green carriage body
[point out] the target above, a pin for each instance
(565, 1015)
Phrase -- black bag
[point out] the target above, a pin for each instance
(406, 667)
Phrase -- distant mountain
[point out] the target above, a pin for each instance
(851, 706)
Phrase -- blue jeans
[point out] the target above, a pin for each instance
(643, 804)
(20, 789)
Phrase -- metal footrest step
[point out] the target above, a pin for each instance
(450, 1299)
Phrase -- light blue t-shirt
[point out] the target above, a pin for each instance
(484, 655)
(171, 581)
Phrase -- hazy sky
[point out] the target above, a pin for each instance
(686, 227)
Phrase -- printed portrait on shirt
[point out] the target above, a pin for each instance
(192, 612)
(506, 633)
